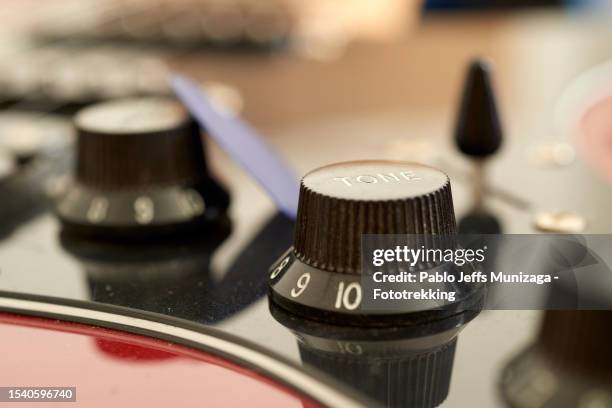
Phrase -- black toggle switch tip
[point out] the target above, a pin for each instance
(478, 131)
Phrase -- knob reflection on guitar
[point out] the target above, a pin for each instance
(408, 366)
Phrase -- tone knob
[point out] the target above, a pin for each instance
(320, 276)
(339, 203)
(140, 171)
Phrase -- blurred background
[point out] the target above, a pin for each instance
(385, 74)
(287, 63)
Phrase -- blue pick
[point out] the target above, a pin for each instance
(243, 144)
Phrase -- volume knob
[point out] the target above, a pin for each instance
(140, 171)
(321, 275)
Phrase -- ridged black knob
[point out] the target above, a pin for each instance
(137, 144)
(324, 276)
(478, 132)
(568, 366)
(579, 340)
(140, 169)
(340, 202)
